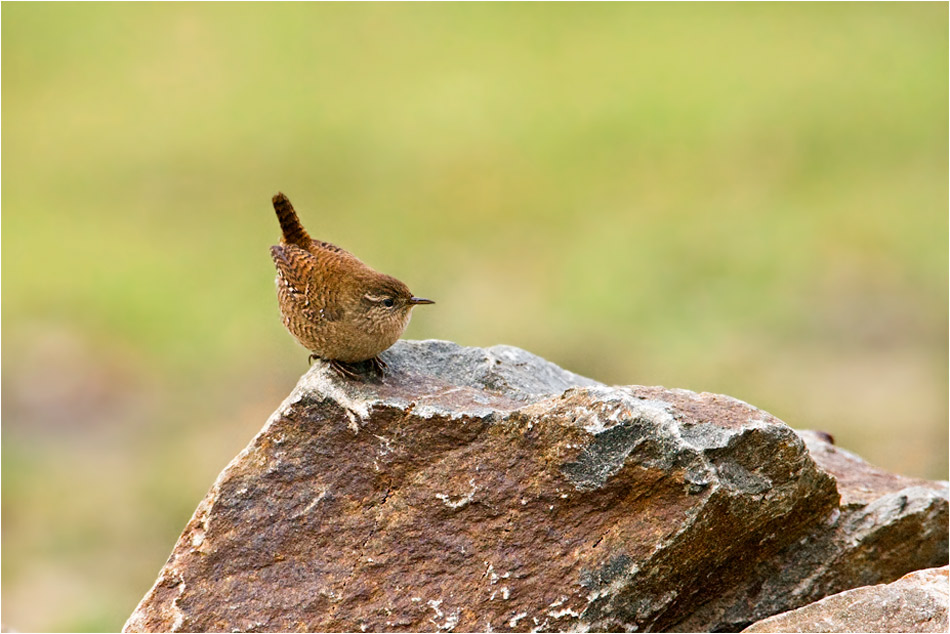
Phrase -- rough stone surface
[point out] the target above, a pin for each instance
(886, 525)
(487, 489)
(917, 602)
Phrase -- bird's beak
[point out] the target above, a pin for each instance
(419, 300)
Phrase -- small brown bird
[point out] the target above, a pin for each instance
(334, 305)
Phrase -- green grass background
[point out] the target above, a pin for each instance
(749, 199)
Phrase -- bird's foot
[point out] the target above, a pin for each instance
(345, 370)
(379, 366)
(359, 369)
(355, 370)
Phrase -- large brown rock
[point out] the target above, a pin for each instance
(917, 602)
(491, 490)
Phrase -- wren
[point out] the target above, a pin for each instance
(340, 309)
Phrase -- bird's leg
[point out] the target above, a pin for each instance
(344, 369)
(312, 358)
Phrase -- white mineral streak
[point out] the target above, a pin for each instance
(514, 620)
(558, 614)
(176, 603)
(450, 621)
(457, 502)
(314, 502)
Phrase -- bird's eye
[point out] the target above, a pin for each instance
(388, 302)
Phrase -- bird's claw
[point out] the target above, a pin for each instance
(357, 370)
(354, 370)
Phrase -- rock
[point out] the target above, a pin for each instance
(886, 525)
(917, 602)
(487, 489)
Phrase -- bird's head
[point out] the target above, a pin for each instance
(386, 305)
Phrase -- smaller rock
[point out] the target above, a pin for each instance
(917, 602)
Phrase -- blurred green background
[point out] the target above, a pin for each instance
(749, 199)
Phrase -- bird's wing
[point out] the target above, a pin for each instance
(301, 282)
(293, 264)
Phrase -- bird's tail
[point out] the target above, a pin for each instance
(294, 233)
